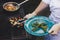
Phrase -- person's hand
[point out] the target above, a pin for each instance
(30, 15)
(55, 29)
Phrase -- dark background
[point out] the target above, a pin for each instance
(32, 5)
(28, 7)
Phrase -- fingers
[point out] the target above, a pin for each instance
(51, 31)
(54, 33)
(54, 30)
(28, 16)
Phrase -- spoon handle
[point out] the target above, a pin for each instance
(23, 2)
(22, 21)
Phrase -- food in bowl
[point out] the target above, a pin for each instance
(37, 25)
(10, 7)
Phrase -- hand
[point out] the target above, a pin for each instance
(55, 29)
(30, 15)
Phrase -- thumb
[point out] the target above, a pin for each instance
(51, 31)
(27, 16)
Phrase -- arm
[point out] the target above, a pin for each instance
(40, 7)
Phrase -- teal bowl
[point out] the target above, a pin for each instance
(41, 19)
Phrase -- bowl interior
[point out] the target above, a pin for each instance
(40, 19)
(11, 6)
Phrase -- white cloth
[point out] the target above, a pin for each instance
(46, 1)
(54, 16)
(54, 8)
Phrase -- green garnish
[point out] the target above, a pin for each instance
(37, 25)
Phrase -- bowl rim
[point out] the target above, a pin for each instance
(36, 34)
(8, 3)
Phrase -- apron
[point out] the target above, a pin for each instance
(54, 16)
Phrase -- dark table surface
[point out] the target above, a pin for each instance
(5, 26)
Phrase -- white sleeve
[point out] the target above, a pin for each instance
(46, 1)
